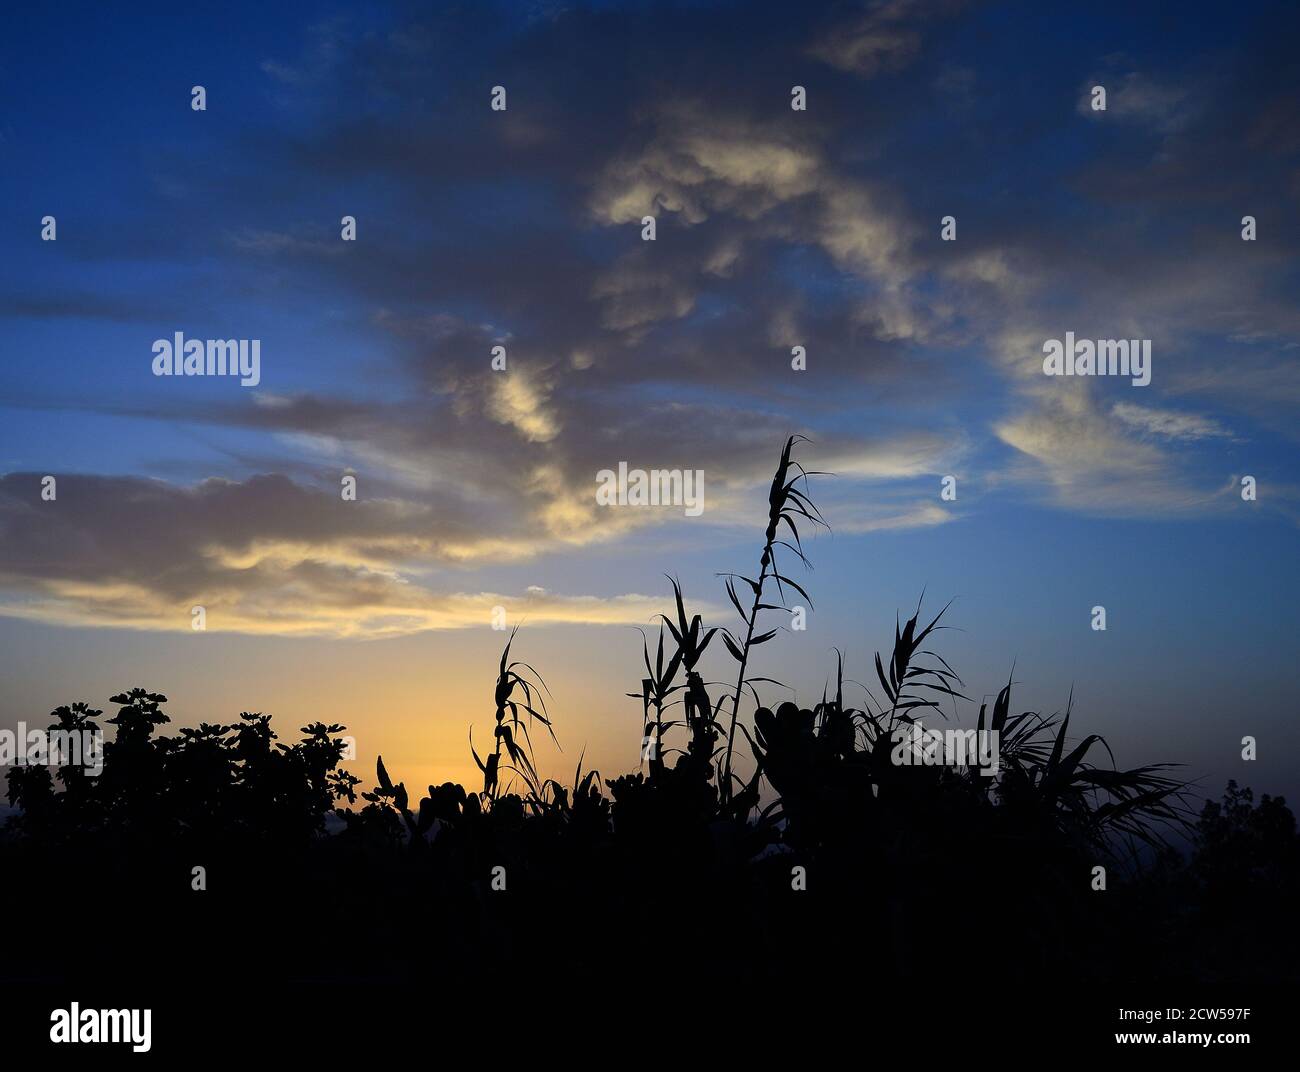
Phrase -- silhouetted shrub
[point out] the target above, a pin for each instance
(825, 849)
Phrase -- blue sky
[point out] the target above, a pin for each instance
(775, 228)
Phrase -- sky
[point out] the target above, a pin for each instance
(775, 228)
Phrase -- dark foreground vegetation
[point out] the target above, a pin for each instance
(745, 851)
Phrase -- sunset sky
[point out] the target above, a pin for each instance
(775, 228)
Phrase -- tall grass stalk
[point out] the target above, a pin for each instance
(785, 501)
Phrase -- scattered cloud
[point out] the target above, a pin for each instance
(1169, 423)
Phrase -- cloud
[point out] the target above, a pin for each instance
(635, 295)
(327, 45)
(1169, 423)
(883, 38)
(263, 557)
(776, 229)
(1138, 98)
(700, 163)
(517, 400)
(1092, 465)
(320, 611)
(253, 240)
(923, 515)
(753, 188)
(901, 456)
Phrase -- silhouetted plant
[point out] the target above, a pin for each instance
(785, 503)
(655, 690)
(883, 839)
(509, 724)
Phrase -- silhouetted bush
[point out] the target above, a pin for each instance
(684, 870)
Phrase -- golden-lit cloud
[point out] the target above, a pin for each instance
(295, 604)
(268, 556)
(519, 401)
